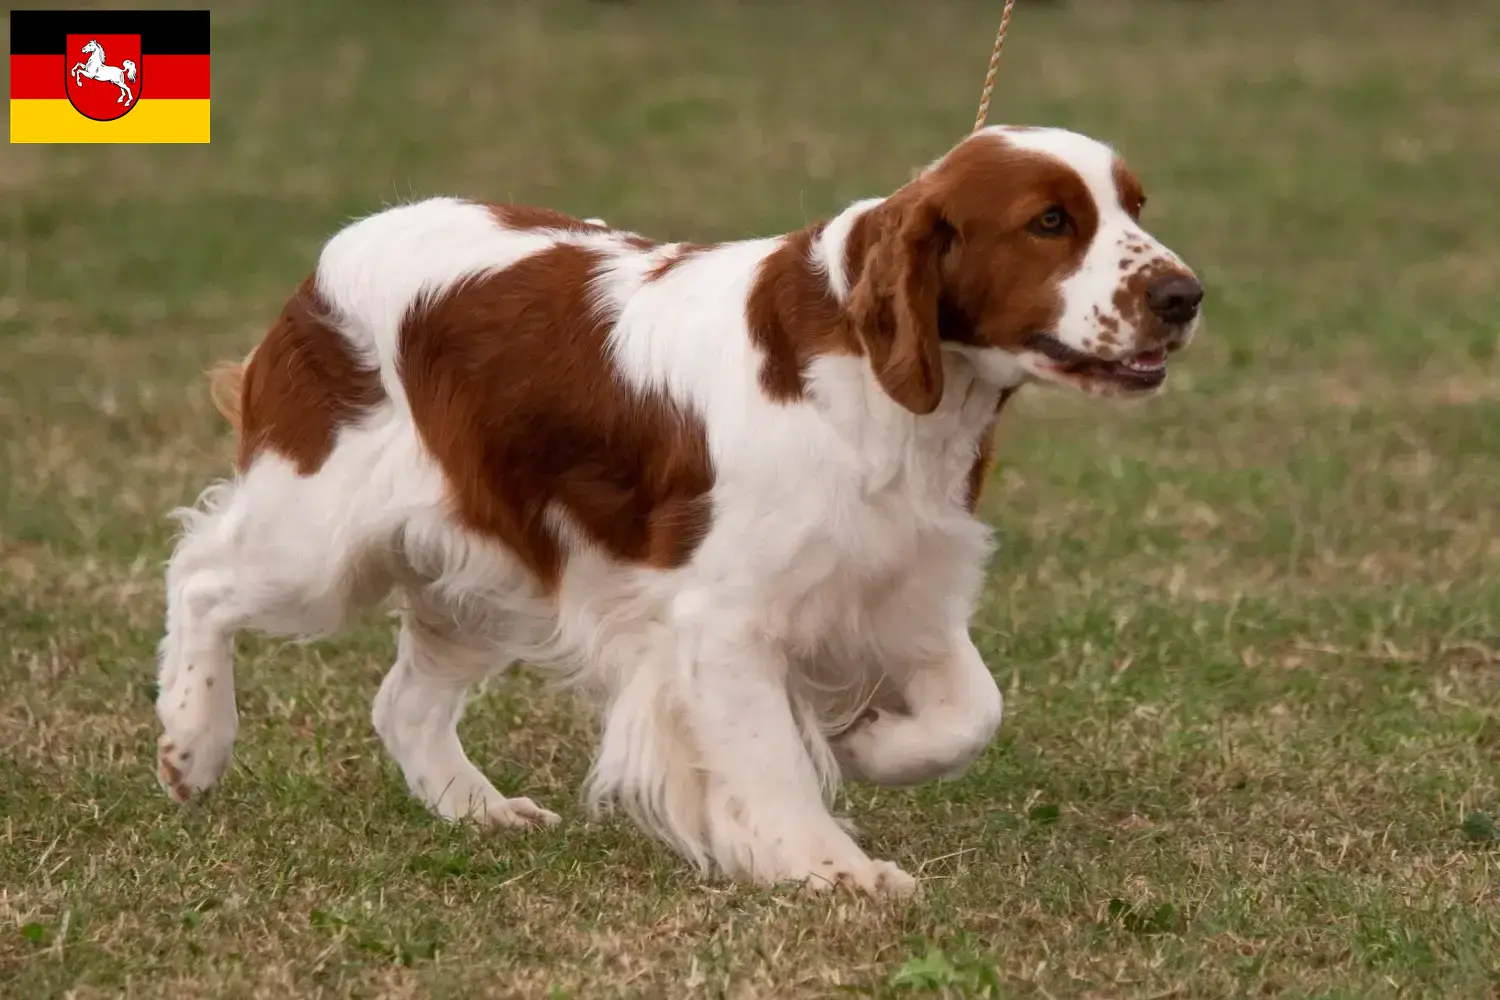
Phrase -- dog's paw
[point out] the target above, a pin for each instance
(186, 767)
(867, 875)
(473, 799)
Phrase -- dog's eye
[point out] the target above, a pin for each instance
(1053, 222)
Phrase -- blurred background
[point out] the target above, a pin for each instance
(1249, 629)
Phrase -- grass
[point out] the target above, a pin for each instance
(1250, 631)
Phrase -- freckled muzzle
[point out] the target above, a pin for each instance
(1161, 311)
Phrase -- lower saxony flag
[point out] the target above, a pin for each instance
(109, 76)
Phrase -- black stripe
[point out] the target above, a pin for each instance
(163, 32)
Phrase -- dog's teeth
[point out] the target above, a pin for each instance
(1139, 365)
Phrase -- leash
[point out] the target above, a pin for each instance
(989, 78)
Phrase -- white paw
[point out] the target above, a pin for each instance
(867, 875)
(522, 812)
(478, 801)
(188, 765)
(198, 722)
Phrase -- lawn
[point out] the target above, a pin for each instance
(1249, 631)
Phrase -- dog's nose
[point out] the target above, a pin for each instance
(1174, 298)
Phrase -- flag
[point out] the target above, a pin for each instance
(109, 76)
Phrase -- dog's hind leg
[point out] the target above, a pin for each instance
(195, 668)
(275, 551)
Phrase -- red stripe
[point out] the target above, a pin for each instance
(37, 77)
(162, 77)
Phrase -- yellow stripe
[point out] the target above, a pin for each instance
(151, 121)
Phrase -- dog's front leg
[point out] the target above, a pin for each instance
(952, 709)
(766, 818)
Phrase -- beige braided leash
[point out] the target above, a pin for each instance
(989, 78)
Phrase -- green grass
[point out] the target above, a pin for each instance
(1249, 631)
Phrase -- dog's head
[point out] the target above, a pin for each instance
(1023, 249)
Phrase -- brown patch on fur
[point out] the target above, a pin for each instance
(513, 216)
(857, 245)
(1128, 187)
(952, 256)
(793, 317)
(895, 302)
(979, 472)
(171, 776)
(1000, 275)
(1109, 327)
(512, 392)
(300, 386)
(534, 217)
(675, 256)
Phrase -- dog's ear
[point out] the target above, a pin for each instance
(894, 304)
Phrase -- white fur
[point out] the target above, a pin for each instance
(828, 251)
(840, 561)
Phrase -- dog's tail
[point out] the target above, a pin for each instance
(226, 387)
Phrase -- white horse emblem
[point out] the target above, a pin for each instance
(96, 69)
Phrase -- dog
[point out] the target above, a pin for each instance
(727, 491)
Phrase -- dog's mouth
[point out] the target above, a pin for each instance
(1140, 371)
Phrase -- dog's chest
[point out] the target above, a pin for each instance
(892, 541)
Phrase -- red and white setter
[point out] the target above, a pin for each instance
(729, 490)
